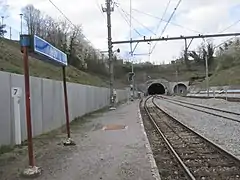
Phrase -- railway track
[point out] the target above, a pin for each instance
(230, 115)
(230, 99)
(181, 153)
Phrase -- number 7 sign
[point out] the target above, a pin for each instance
(16, 92)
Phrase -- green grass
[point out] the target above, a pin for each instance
(229, 76)
(11, 61)
(5, 149)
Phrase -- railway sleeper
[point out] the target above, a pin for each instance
(168, 166)
(186, 151)
(218, 173)
(189, 136)
(202, 159)
(166, 174)
(198, 162)
(203, 156)
(188, 145)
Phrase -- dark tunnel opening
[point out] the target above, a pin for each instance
(180, 89)
(156, 88)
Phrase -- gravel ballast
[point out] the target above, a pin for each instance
(218, 103)
(223, 132)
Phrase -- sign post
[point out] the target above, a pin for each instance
(54, 56)
(69, 141)
(46, 52)
(66, 100)
(16, 94)
(25, 41)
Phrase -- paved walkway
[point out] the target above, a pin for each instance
(119, 154)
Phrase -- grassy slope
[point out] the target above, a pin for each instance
(169, 73)
(228, 76)
(11, 61)
(225, 77)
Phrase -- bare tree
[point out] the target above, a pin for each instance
(65, 37)
(203, 50)
(75, 35)
(32, 17)
(2, 30)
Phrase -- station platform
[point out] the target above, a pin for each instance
(110, 145)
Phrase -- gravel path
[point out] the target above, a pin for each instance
(223, 132)
(119, 154)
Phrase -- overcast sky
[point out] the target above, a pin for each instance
(196, 16)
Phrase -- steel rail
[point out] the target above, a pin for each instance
(220, 149)
(211, 113)
(230, 99)
(190, 175)
(202, 106)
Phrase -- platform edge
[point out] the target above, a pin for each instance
(154, 168)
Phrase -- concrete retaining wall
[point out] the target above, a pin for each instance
(47, 104)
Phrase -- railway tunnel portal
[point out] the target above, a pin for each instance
(164, 87)
(156, 88)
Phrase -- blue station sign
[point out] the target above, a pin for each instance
(47, 50)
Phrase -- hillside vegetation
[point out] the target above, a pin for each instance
(227, 71)
(11, 60)
(88, 66)
(223, 62)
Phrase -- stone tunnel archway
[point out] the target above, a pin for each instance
(156, 88)
(180, 89)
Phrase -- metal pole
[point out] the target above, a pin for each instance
(177, 80)
(108, 4)
(21, 22)
(2, 23)
(133, 81)
(207, 78)
(175, 38)
(66, 101)
(185, 52)
(132, 69)
(10, 33)
(131, 49)
(130, 20)
(28, 106)
(149, 53)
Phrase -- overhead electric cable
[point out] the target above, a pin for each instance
(127, 21)
(99, 7)
(137, 21)
(170, 18)
(161, 20)
(230, 26)
(175, 24)
(224, 42)
(67, 18)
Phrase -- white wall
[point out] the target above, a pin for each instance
(47, 104)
